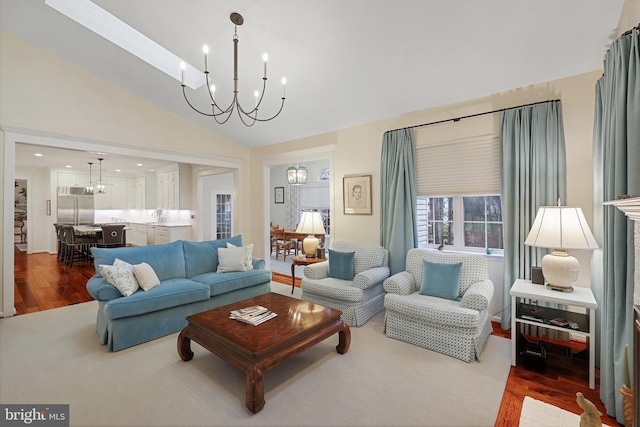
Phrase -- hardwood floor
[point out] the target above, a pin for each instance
(42, 283)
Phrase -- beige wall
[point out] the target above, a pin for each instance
(44, 94)
(357, 150)
(46, 100)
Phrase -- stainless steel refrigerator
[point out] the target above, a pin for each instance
(75, 206)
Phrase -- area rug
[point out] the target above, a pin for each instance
(540, 414)
(54, 356)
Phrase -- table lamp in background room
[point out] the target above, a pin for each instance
(310, 224)
(560, 228)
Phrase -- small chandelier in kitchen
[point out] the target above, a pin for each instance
(89, 187)
(101, 186)
(220, 114)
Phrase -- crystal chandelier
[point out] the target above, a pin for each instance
(220, 114)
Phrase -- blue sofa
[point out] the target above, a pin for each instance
(189, 284)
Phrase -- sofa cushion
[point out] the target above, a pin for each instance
(441, 279)
(202, 257)
(248, 254)
(232, 259)
(220, 283)
(167, 259)
(170, 293)
(341, 265)
(440, 312)
(120, 275)
(146, 277)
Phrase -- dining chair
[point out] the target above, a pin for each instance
(283, 244)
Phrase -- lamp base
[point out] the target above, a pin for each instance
(309, 246)
(561, 270)
(560, 288)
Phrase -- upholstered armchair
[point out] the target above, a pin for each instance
(432, 306)
(350, 281)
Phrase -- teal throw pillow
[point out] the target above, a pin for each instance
(441, 279)
(341, 265)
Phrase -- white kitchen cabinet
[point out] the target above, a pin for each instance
(173, 187)
(165, 234)
(72, 179)
(137, 235)
(139, 193)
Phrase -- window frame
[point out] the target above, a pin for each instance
(457, 226)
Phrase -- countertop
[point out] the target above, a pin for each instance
(162, 224)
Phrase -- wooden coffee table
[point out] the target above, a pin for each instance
(257, 349)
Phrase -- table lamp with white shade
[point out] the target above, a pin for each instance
(310, 224)
(560, 228)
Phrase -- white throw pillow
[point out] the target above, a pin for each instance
(248, 254)
(147, 278)
(120, 275)
(231, 259)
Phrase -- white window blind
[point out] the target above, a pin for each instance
(458, 167)
(314, 197)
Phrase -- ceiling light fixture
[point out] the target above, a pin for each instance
(101, 186)
(89, 187)
(221, 115)
(297, 175)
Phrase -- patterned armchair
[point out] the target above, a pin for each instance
(458, 328)
(359, 299)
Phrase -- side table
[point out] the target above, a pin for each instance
(580, 297)
(301, 260)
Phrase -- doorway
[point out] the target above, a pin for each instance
(217, 216)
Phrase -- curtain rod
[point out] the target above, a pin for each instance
(626, 33)
(457, 119)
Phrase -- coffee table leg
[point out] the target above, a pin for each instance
(344, 339)
(184, 346)
(255, 389)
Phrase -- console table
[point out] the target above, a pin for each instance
(580, 297)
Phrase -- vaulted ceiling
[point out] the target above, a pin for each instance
(346, 62)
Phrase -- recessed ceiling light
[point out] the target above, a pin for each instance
(118, 170)
(38, 155)
(68, 166)
(128, 38)
(138, 164)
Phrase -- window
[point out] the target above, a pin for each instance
(465, 223)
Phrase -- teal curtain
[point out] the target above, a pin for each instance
(616, 156)
(398, 197)
(533, 174)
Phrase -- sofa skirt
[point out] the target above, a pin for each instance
(462, 343)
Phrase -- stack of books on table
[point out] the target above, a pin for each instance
(253, 315)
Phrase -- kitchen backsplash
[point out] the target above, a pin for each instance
(143, 216)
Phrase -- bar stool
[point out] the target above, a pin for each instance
(112, 236)
(76, 246)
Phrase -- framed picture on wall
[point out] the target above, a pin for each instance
(357, 194)
(279, 194)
